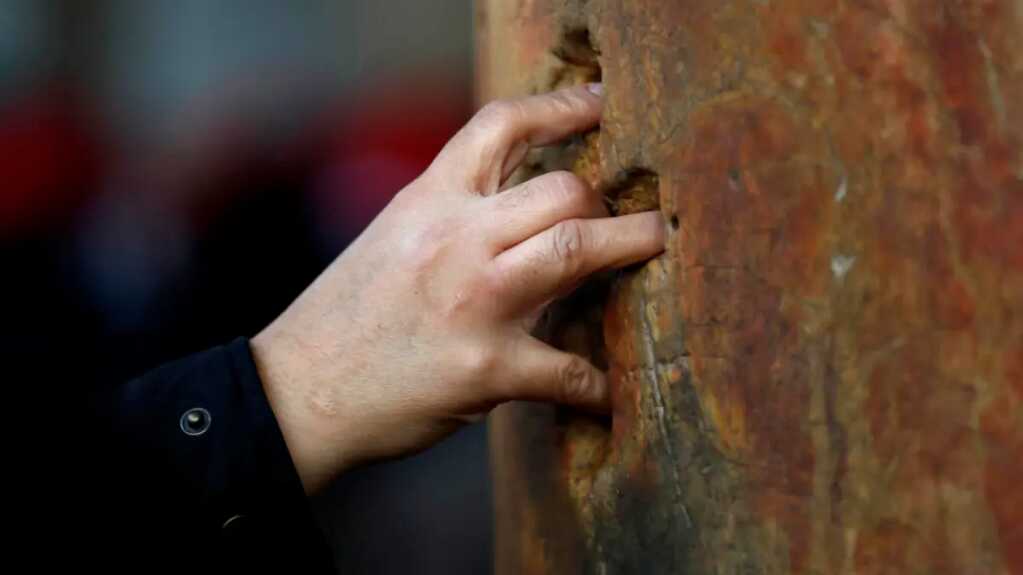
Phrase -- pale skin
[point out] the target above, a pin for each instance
(424, 323)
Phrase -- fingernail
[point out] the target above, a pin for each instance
(595, 88)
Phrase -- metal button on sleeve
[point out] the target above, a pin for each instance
(195, 421)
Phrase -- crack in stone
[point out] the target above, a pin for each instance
(993, 84)
(653, 372)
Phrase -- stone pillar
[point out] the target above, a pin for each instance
(824, 372)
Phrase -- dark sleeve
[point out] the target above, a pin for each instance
(204, 475)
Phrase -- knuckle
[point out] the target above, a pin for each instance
(568, 243)
(480, 361)
(517, 197)
(567, 187)
(564, 101)
(480, 293)
(425, 249)
(575, 380)
(490, 283)
(421, 258)
(482, 290)
(498, 112)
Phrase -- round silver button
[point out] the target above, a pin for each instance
(195, 421)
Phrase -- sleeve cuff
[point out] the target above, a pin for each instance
(203, 429)
(259, 476)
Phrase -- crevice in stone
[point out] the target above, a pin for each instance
(581, 59)
(575, 324)
(634, 190)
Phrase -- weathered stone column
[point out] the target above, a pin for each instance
(824, 373)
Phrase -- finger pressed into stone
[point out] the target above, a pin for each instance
(553, 262)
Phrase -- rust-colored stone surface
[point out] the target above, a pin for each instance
(824, 373)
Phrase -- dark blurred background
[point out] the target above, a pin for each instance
(174, 172)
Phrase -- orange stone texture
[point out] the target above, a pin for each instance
(824, 371)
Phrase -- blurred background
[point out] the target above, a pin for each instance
(174, 172)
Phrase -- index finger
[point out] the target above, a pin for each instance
(496, 138)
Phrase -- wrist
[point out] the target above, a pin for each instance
(287, 379)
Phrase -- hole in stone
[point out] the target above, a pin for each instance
(575, 323)
(635, 190)
(674, 222)
(575, 48)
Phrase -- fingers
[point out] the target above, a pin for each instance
(554, 261)
(531, 207)
(542, 373)
(496, 139)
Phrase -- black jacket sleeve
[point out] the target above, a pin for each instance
(204, 478)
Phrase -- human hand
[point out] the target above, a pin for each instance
(424, 323)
